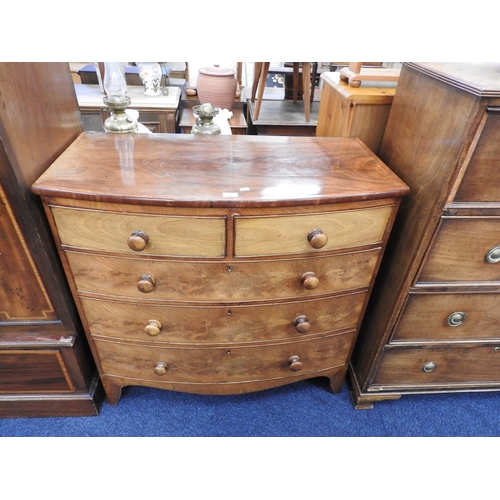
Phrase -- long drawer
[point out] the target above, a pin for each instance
(216, 324)
(223, 364)
(465, 250)
(239, 281)
(434, 367)
(441, 317)
(32, 371)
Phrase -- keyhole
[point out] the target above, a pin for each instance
(229, 352)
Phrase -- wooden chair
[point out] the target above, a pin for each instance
(259, 83)
(355, 74)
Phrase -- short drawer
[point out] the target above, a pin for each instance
(215, 324)
(141, 233)
(461, 317)
(465, 250)
(36, 371)
(223, 364)
(434, 367)
(306, 233)
(240, 281)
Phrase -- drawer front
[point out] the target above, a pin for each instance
(223, 364)
(240, 281)
(462, 250)
(23, 371)
(413, 367)
(462, 317)
(181, 324)
(289, 234)
(481, 182)
(158, 234)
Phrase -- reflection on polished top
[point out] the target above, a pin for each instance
(223, 171)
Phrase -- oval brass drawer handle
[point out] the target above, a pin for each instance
(456, 318)
(317, 238)
(160, 368)
(295, 363)
(429, 367)
(146, 284)
(153, 328)
(493, 255)
(138, 241)
(309, 280)
(301, 324)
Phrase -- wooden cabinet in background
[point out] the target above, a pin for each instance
(220, 265)
(345, 111)
(160, 114)
(433, 322)
(46, 368)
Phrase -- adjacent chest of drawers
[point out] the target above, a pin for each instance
(219, 265)
(435, 321)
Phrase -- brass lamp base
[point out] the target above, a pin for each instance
(119, 122)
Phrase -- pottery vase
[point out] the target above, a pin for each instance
(150, 74)
(216, 86)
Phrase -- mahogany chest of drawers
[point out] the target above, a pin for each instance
(433, 322)
(219, 265)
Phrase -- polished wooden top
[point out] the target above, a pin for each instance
(481, 79)
(218, 171)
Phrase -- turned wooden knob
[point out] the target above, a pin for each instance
(317, 238)
(309, 280)
(153, 328)
(301, 324)
(160, 368)
(295, 363)
(146, 284)
(138, 241)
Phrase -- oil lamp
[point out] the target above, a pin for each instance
(116, 99)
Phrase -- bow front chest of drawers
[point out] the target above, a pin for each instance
(219, 265)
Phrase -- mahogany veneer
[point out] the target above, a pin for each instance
(223, 264)
(46, 368)
(432, 325)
